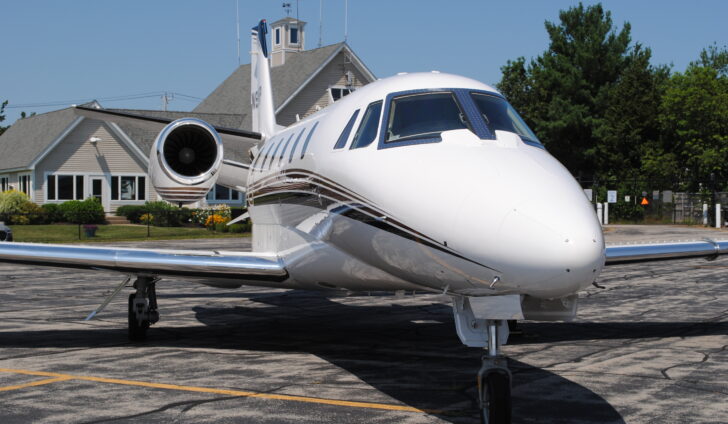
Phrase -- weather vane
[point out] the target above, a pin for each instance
(287, 6)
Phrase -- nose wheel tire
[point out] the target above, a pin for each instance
(137, 330)
(496, 402)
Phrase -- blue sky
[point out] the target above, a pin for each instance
(68, 51)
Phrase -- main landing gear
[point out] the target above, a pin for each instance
(142, 308)
(494, 378)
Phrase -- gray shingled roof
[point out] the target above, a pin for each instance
(233, 95)
(26, 139)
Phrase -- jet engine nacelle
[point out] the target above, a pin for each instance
(185, 160)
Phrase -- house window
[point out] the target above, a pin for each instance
(278, 36)
(24, 184)
(128, 188)
(64, 187)
(4, 184)
(294, 35)
(337, 93)
(220, 194)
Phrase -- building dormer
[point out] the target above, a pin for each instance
(287, 37)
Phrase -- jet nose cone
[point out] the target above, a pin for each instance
(549, 250)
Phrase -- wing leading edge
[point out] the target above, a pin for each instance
(154, 123)
(649, 252)
(237, 266)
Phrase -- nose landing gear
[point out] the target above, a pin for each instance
(489, 330)
(142, 308)
(494, 382)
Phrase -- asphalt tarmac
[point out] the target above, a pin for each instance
(651, 347)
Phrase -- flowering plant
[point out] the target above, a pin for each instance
(147, 218)
(200, 216)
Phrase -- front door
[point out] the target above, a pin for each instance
(98, 191)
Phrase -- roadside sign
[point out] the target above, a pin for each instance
(644, 202)
(612, 196)
(627, 198)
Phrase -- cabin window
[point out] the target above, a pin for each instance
(344, 137)
(265, 155)
(285, 148)
(423, 116)
(275, 152)
(367, 131)
(499, 115)
(278, 36)
(294, 35)
(128, 188)
(308, 138)
(339, 92)
(4, 184)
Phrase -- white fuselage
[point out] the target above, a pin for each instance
(461, 214)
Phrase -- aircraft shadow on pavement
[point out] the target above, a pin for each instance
(410, 353)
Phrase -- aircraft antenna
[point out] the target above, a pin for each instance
(321, 22)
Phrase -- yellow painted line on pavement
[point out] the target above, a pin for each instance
(336, 402)
(33, 384)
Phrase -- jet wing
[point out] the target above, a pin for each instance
(154, 123)
(648, 252)
(216, 265)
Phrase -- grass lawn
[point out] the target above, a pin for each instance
(109, 233)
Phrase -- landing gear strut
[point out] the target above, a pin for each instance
(494, 382)
(142, 308)
(489, 330)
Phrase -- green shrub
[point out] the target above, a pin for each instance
(239, 228)
(222, 228)
(627, 212)
(16, 208)
(89, 211)
(133, 213)
(53, 213)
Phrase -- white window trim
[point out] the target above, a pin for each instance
(342, 87)
(210, 198)
(290, 42)
(7, 182)
(30, 183)
(136, 181)
(56, 174)
(87, 189)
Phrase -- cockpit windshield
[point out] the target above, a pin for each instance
(418, 116)
(499, 115)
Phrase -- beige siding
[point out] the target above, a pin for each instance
(77, 155)
(316, 92)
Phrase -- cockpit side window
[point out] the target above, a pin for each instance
(344, 137)
(367, 131)
(498, 114)
(423, 116)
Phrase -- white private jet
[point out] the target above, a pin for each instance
(415, 182)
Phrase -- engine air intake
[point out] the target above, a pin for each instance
(190, 150)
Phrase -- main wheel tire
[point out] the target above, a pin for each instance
(137, 332)
(497, 408)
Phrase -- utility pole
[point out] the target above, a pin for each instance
(321, 22)
(166, 97)
(237, 25)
